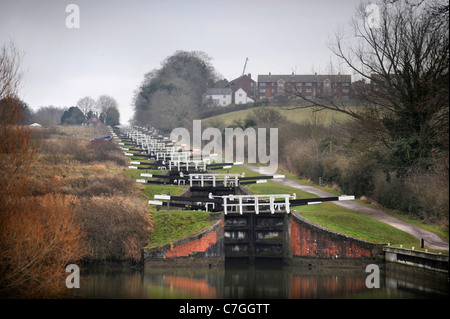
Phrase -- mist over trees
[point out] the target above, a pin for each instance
(171, 96)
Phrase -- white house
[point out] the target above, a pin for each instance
(218, 96)
(240, 97)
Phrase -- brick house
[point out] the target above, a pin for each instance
(245, 83)
(94, 121)
(309, 85)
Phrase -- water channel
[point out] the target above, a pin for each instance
(242, 281)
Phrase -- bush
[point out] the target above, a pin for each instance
(117, 227)
(39, 237)
(101, 185)
(434, 197)
(391, 192)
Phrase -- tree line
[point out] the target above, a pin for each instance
(105, 107)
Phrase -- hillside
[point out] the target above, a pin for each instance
(325, 117)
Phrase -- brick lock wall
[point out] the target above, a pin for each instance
(206, 246)
(192, 247)
(314, 242)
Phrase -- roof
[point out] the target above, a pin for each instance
(304, 77)
(94, 118)
(221, 83)
(245, 77)
(218, 91)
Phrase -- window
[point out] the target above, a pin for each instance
(345, 90)
(262, 90)
(327, 86)
(308, 90)
(345, 84)
(262, 84)
(308, 84)
(281, 85)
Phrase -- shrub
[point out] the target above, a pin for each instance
(433, 198)
(391, 192)
(39, 237)
(101, 185)
(117, 227)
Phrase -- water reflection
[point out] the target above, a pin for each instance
(244, 282)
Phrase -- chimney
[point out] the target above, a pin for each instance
(270, 74)
(250, 75)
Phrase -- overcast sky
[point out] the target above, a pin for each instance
(117, 42)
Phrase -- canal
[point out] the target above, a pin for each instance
(242, 281)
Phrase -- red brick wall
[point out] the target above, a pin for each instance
(207, 246)
(195, 246)
(307, 241)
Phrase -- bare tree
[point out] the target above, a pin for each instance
(48, 115)
(10, 75)
(104, 104)
(403, 52)
(86, 104)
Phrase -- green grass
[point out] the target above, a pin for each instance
(326, 117)
(173, 225)
(273, 188)
(150, 190)
(400, 215)
(356, 225)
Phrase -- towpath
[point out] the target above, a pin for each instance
(431, 240)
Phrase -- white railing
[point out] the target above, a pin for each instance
(204, 180)
(254, 202)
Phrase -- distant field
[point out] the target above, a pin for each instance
(325, 117)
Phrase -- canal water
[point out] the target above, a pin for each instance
(242, 281)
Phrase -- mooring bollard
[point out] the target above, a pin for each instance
(422, 243)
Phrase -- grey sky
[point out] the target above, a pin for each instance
(119, 41)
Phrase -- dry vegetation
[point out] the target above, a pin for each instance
(63, 199)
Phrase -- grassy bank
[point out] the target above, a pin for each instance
(353, 224)
(296, 115)
(173, 225)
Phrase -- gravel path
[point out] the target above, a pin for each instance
(431, 240)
